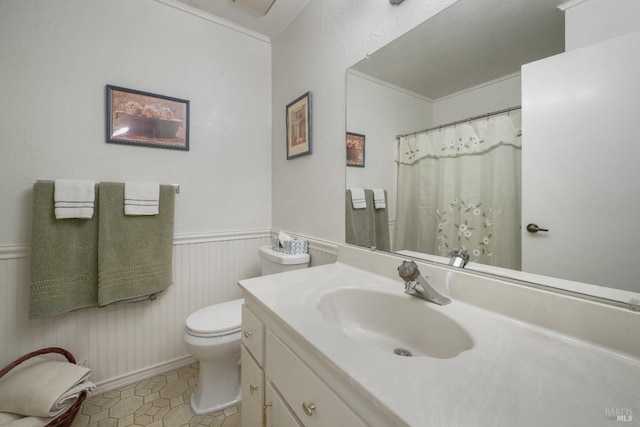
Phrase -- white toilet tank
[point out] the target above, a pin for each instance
(277, 262)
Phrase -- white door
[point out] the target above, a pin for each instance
(581, 164)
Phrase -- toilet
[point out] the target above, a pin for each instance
(212, 335)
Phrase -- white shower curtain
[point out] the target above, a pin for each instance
(459, 187)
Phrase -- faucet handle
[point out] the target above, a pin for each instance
(408, 271)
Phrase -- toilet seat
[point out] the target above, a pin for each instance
(216, 320)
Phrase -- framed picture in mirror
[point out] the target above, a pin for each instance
(355, 149)
(299, 126)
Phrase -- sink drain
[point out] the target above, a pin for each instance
(402, 352)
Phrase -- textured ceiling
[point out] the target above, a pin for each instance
(469, 43)
(277, 18)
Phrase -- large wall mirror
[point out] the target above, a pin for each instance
(449, 95)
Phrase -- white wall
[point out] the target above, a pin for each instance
(324, 40)
(491, 96)
(57, 57)
(380, 112)
(591, 21)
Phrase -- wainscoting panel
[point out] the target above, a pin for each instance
(322, 253)
(123, 343)
(122, 339)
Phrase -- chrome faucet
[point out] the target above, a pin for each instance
(416, 284)
(459, 258)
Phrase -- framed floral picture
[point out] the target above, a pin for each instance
(355, 149)
(299, 127)
(141, 118)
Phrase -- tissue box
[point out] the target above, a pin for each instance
(291, 247)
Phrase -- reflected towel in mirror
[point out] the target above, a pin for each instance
(358, 199)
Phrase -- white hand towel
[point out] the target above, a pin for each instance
(74, 198)
(141, 198)
(134, 210)
(379, 200)
(357, 198)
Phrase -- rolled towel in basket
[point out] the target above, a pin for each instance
(15, 420)
(42, 387)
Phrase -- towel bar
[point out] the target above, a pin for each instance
(176, 187)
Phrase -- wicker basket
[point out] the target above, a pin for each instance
(66, 418)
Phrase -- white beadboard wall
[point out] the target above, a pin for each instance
(125, 342)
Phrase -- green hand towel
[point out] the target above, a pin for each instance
(135, 253)
(360, 228)
(64, 258)
(367, 227)
(381, 224)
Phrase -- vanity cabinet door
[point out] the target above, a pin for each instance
(253, 334)
(278, 414)
(311, 400)
(252, 386)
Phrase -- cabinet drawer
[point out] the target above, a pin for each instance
(253, 334)
(252, 383)
(310, 399)
(278, 414)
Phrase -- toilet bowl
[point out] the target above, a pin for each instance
(212, 336)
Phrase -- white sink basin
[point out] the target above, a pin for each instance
(399, 324)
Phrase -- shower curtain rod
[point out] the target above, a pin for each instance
(486, 115)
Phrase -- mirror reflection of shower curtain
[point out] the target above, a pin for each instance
(459, 187)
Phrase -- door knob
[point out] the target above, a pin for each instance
(533, 228)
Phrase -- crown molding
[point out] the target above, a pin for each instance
(568, 5)
(215, 19)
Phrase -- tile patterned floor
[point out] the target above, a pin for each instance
(160, 401)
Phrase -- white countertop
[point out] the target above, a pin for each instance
(517, 374)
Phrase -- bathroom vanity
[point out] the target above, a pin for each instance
(342, 345)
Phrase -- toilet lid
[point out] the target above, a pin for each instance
(216, 320)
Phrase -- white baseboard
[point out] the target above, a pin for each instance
(142, 374)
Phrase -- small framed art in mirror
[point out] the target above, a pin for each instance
(355, 149)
